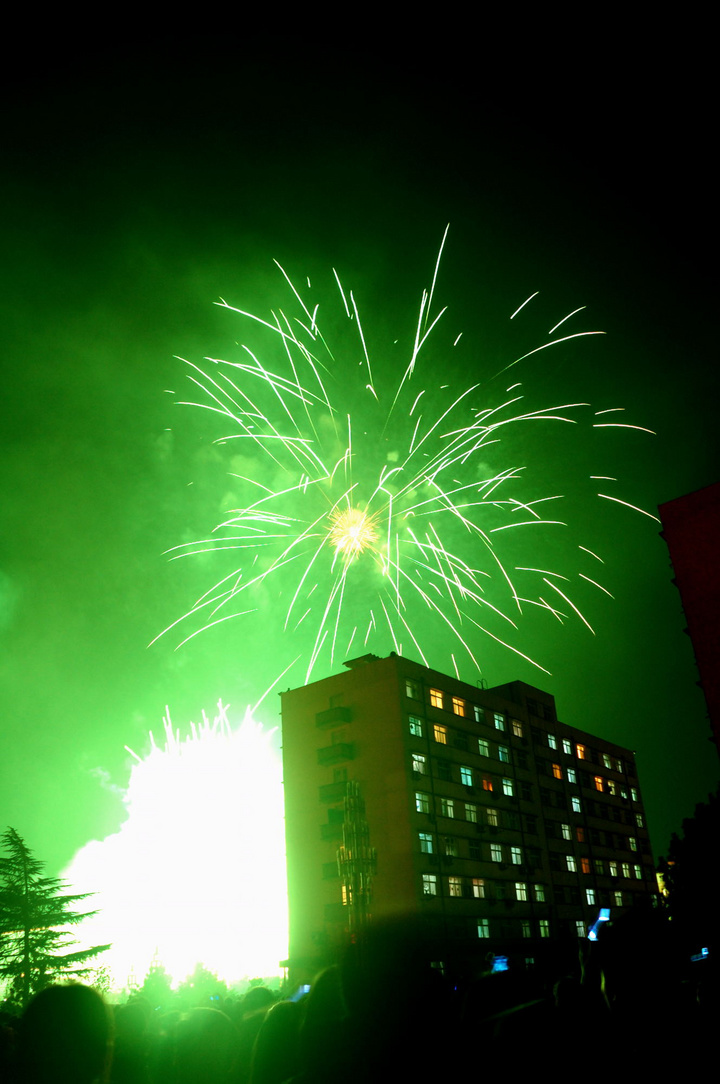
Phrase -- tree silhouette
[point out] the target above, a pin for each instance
(33, 912)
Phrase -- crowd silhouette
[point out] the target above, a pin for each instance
(383, 1013)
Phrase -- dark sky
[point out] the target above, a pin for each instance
(143, 182)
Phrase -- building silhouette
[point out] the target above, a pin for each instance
(470, 815)
(691, 529)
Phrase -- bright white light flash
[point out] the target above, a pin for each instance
(197, 871)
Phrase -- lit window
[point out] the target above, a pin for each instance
(487, 783)
(526, 931)
(440, 733)
(345, 894)
(447, 807)
(638, 872)
(557, 771)
(454, 886)
(540, 893)
(479, 714)
(581, 751)
(623, 793)
(566, 833)
(436, 698)
(458, 705)
(483, 747)
(580, 928)
(590, 896)
(504, 754)
(571, 863)
(495, 852)
(419, 763)
(412, 689)
(544, 927)
(499, 720)
(625, 869)
(567, 746)
(585, 865)
(618, 899)
(571, 775)
(580, 834)
(600, 866)
(599, 783)
(633, 843)
(517, 728)
(606, 760)
(552, 742)
(493, 817)
(426, 842)
(471, 813)
(611, 786)
(466, 775)
(415, 726)
(576, 808)
(521, 890)
(639, 820)
(478, 888)
(515, 856)
(507, 785)
(450, 847)
(483, 927)
(422, 802)
(429, 884)
(613, 867)
(618, 765)
(634, 794)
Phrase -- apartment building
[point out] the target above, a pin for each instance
(473, 813)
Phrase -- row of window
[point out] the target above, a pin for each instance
(456, 810)
(461, 773)
(502, 753)
(604, 868)
(598, 782)
(495, 818)
(463, 708)
(449, 846)
(555, 799)
(447, 770)
(556, 830)
(460, 739)
(583, 752)
(527, 928)
(481, 888)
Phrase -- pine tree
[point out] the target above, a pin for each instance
(33, 913)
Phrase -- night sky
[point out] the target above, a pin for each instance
(141, 184)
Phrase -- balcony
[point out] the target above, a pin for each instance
(334, 754)
(333, 792)
(333, 716)
(331, 831)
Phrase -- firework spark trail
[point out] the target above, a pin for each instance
(345, 505)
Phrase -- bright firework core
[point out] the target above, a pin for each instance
(196, 874)
(352, 532)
